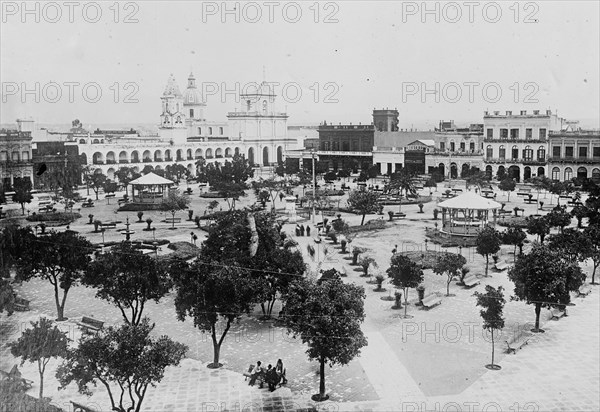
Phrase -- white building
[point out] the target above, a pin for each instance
(257, 130)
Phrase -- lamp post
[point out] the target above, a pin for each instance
(314, 183)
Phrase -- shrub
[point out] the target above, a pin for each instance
(339, 225)
(139, 215)
(436, 212)
(64, 218)
(333, 238)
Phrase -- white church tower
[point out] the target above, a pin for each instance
(173, 118)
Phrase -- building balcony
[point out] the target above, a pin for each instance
(123, 161)
(158, 159)
(168, 159)
(455, 153)
(98, 162)
(342, 153)
(111, 162)
(147, 160)
(509, 140)
(565, 159)
(517, 160)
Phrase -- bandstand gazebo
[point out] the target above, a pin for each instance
(150, 189)
(465, 214)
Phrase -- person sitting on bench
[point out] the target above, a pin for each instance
(256, 372)
(272, 378)
(280, 371)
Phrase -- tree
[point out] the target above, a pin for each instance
(559, 217)
(449, 264)
(175, 201)
(488, 243)
(271, 186)
(476, 178)
(7, 297)
(571, 244)
(579, 212)
(501, 174)
(126, 175)
(592, 232)
(365, 263)
(126, 360)
(492, 302)
(210, 292)
(330, 176)
(58, 257)
(228, 179)
(176, 172)
(22, 188)
(538, 226)
(109, 186)
(515, 236)
(39, 344)
(507, 185)
(405, 274)
(96, 181)
(327, 317)
(253, 241)
(363, 201)
(402, 182)
(593, 204)
(128, 278)
(541, 278)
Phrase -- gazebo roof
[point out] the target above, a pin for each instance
(470, 200)
(151, 179)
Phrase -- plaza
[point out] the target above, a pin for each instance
(432, 361)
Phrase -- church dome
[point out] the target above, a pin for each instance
(172, 89)
(192, 95)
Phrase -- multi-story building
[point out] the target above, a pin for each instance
(60, 163)
(346, 145)
(574, 153)
(458, 150)
(517, 144)
(257, 130)
(15, 155)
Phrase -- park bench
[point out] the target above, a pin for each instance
(90, 324)
(109, 225)
(77, 407)
(431, 300)
(516, 342)
(87, 203)
(15, 376)
(21, 305)
(524, 192)
(517, 210)
(488, 194)
(471, 281)
(584, 290)
(557, 313)
(109, 195)
(564, 197)
(173, 220)
(501, 265)
(394, 215)
(329, 212)
(447, 194)
(530, 200)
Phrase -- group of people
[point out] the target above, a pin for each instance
(271, 375)
(300, 230)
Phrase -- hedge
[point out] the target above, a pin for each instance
(60, 217)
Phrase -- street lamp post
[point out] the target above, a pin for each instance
(314, 183)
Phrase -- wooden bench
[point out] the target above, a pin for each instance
(584, 290)
(430, 301)
(530, 200)
(109, 195)
(109, 225)
(77, 407)
(524, 193)
(21, 305)
(87, 204)
(173, 220)
(471, 281)
(516, 342)
(557, 313)
(90, 324)
(398, 215)
(501, 265)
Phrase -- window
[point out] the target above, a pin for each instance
(556, 173)
(583, 152)
(25, 156)
(346, 146)
(568, 151)
(325, 145)
(596, 151)
(515, 152)
(15, 156)
(199, 131)
(514, 133)
(541, 153)
(210, 130)
(221, 131)
(489, 152)
(490, 133)
(443, 146)
(528, 133)
(452, 147)
(192, 113)
(555, 151)
(355, 145)
(568, 173)
(502, 152)
(504, 133)
(527, 153)
(335, 146)
(3, 155)
(264, 106)
(542, 133)
(462, 146)
(248, 105)
(472, 146)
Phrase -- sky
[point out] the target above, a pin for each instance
(327, 61)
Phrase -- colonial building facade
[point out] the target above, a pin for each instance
(256, 130)
(574, 153)
(15, 155)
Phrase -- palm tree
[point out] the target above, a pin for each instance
(402, 182)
